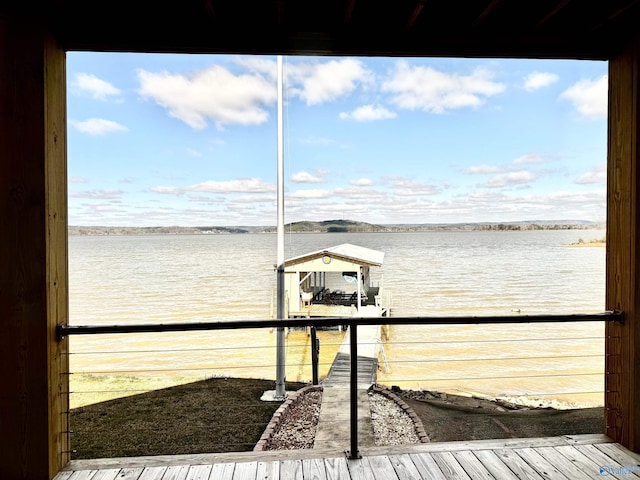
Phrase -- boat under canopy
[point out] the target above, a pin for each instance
(336, 282)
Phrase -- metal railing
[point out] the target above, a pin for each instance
(352, 322)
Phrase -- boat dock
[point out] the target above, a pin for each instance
(335, 282)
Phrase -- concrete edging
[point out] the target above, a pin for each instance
(417, 423)
(279, 413)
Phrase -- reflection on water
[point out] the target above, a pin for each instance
(176, 278)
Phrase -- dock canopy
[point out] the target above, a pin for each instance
(346, 252)
(335, 282)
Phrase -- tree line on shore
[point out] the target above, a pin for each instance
(335, 226)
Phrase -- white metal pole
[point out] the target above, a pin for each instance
(358, 289)
(280, 347)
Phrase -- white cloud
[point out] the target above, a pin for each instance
(317, 83)
(361, 182)
(311, 194)
(482, 170)
(362, 194)
(368, 113)
(560, 205)
(537, 80)
(94, 86)
(528, 159)
(254, 199)
(405, 187)
(427, 89)
(511, 178)
(305, 177)
(589, 97)
(597, 175)
(98, 194)
(167, 190)
(243, 185)
(262, 66)
(98, 126)
(212, 94)
(194, 153)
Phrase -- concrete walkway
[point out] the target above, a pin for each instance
(334, 422)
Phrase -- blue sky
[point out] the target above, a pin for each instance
(191, 139)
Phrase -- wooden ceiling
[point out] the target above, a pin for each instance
(589, 29)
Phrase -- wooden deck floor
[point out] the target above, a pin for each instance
(567, 457)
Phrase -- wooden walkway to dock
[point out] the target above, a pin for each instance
(563, 458)
(333, 429)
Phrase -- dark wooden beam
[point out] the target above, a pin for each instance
(552, 13)
(614, 15)
(209, 8)
(33, 252)
(415, 14)
(485, 13)
(348, 13)
(280, 12)
(622, 342)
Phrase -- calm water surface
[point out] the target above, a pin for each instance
(174, 278)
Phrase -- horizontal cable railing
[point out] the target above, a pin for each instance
(65, 330)
(303, 359)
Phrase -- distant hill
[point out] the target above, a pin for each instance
(332, 226)
(337, 226)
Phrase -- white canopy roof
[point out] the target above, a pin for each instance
(346, 251)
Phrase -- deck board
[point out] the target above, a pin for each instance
(63, 475)
(427, 466)
(222, 471)
(245, 471)
(291, 470)
(153, 473)
(199, 472)
(588, 465)
(541, 464)
(494, 465)
(509, 459)
(382, 468)
(518, 465)
(84, 475)
(404, 467)
(268, 471)
(622, 456)
(450, 466)
(573, 466)
(473, 466)
(130, 473)
(314, 469)
(176, 472)
(337, 468)
(360, 469)
(109, 474)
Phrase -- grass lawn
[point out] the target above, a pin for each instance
(214, 415)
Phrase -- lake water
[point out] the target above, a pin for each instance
(177, 278)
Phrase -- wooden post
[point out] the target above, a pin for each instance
(622, 361)
(33, 252)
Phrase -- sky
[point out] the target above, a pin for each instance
(191, 140)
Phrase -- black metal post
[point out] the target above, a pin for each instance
(353, 394)
(315, 350)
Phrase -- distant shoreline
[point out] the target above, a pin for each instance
(598, 242)
(335, 226)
